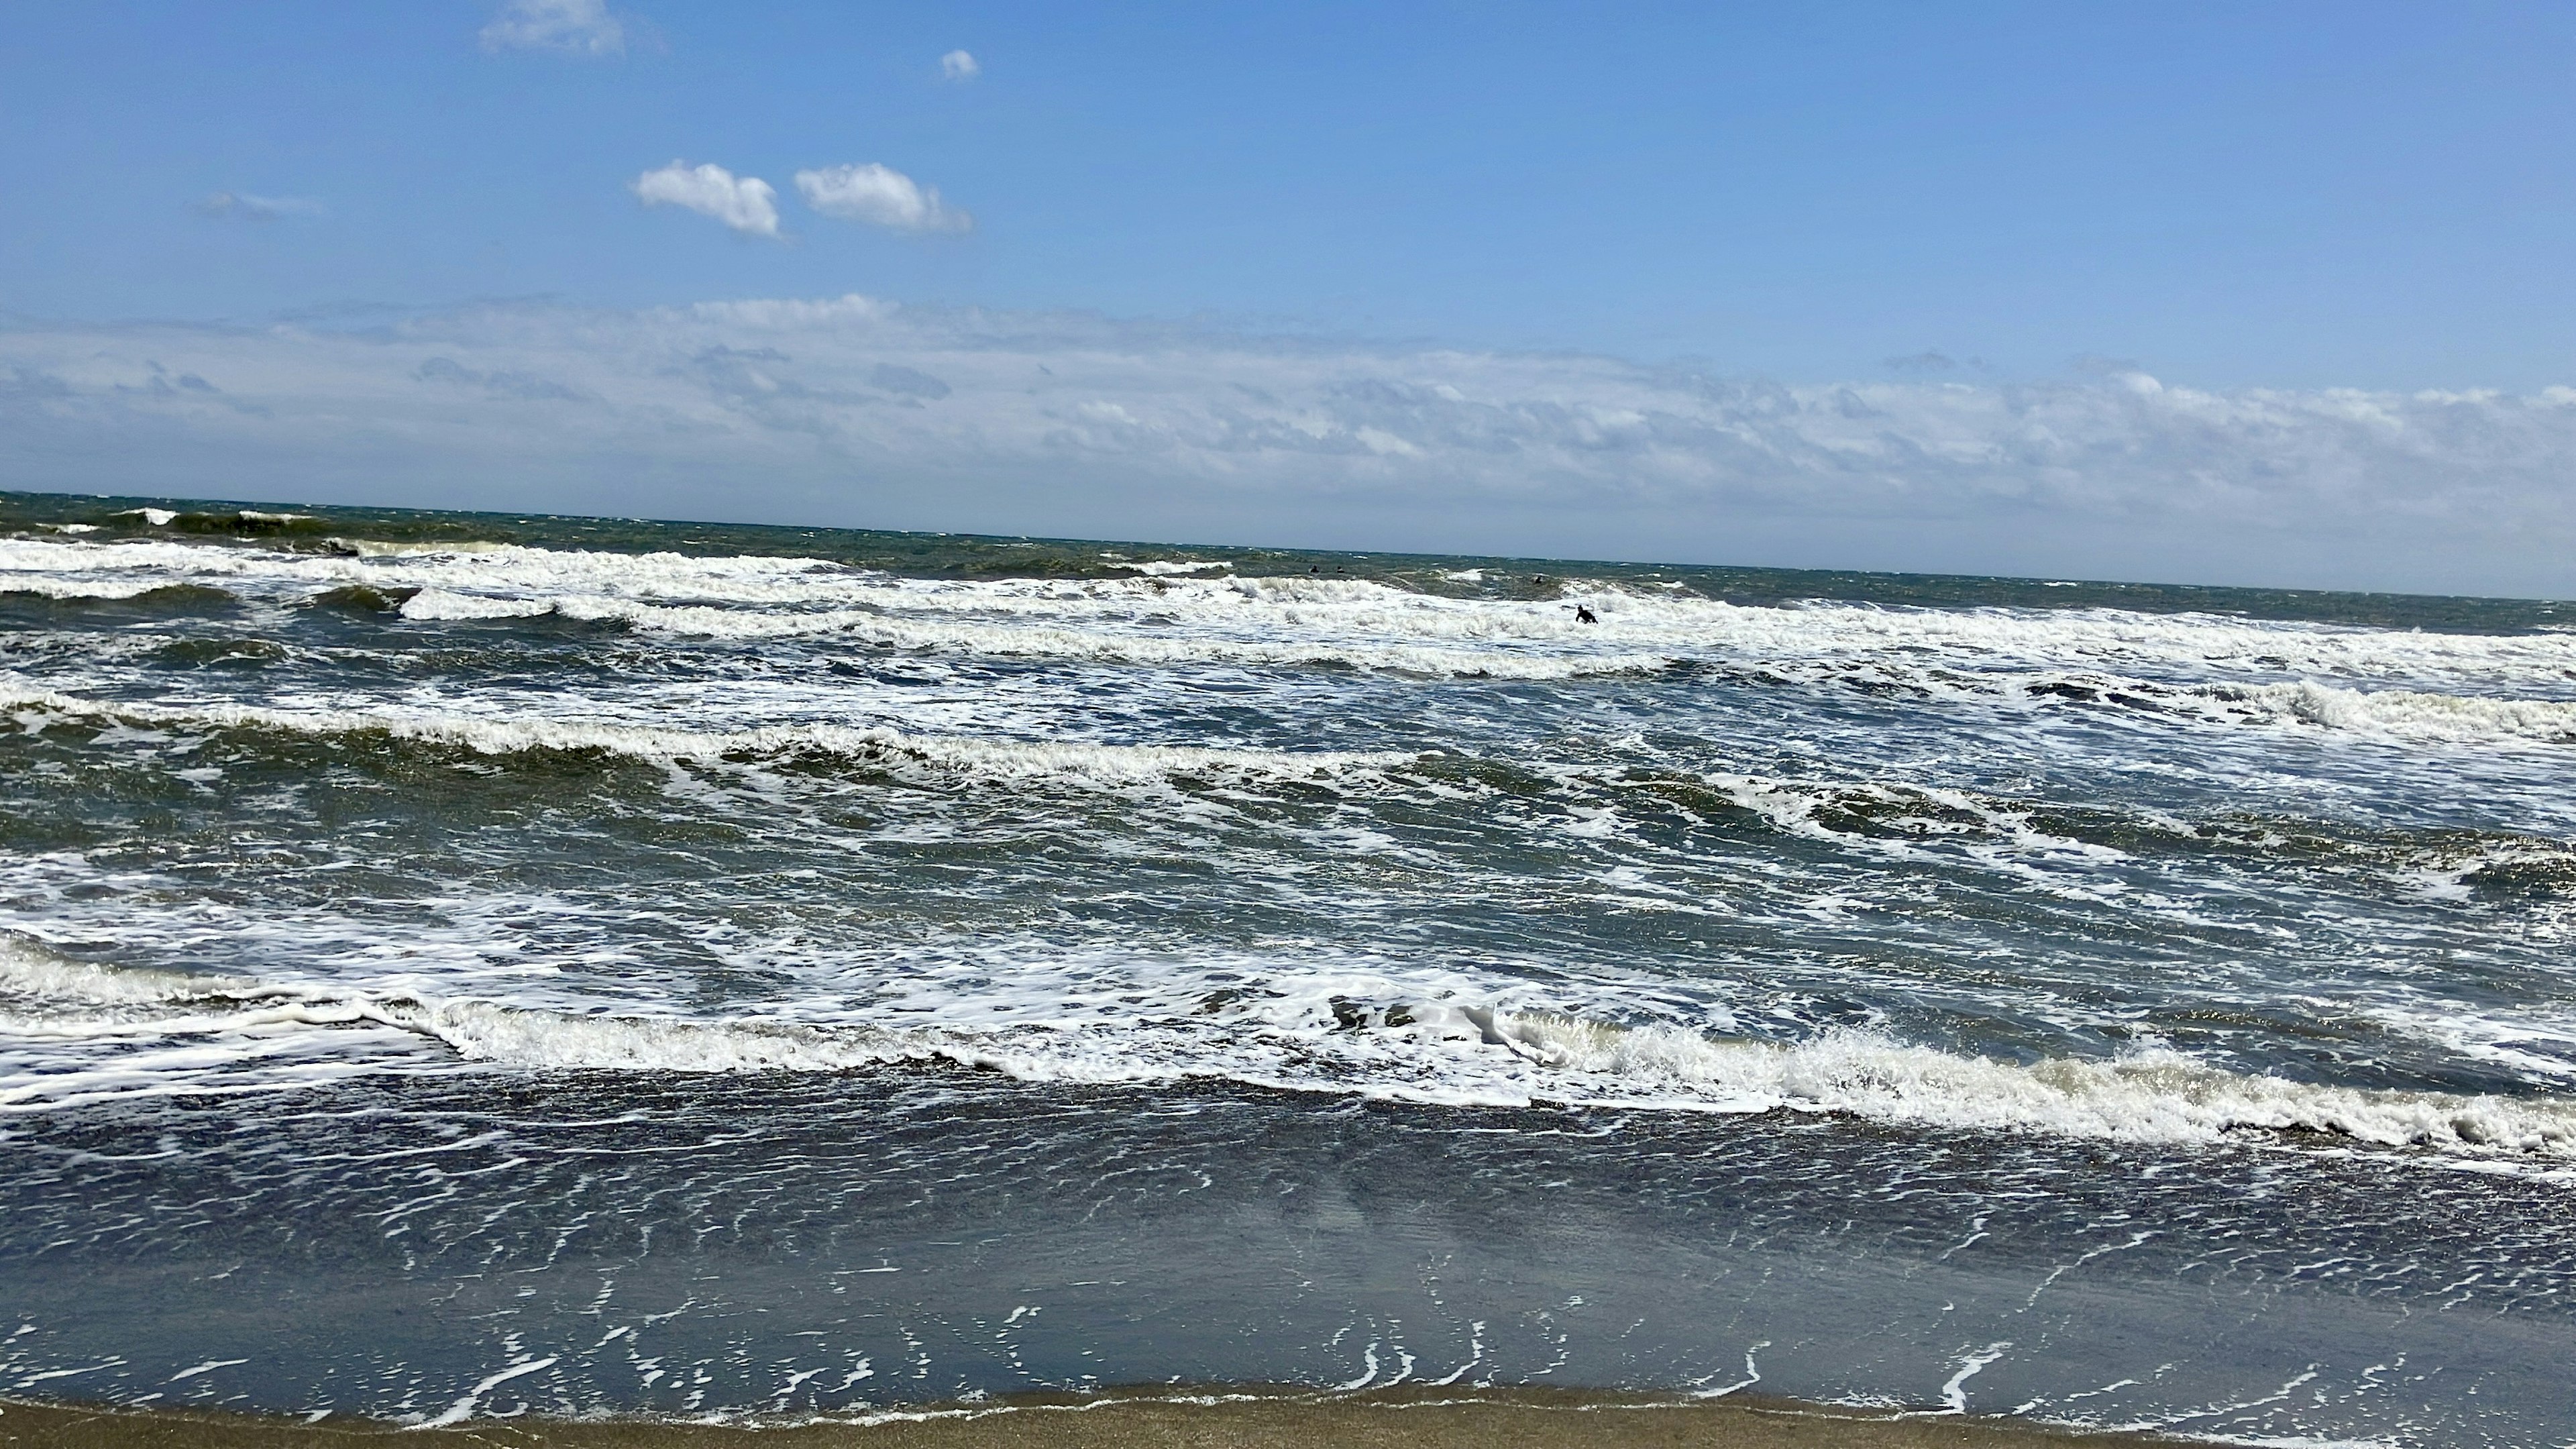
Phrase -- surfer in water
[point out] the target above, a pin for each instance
(1583, 614)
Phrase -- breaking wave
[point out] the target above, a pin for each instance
(1887, 818)
(1628, 616)
(1453, 1052)
(2219, 668)
(2404, 714)
(114, 591)
(1071, 763)
(1020, 640)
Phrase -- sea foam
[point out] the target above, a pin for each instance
(1457, 1053)
(1174, 617)
(1068, 762)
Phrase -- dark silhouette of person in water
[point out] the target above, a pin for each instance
(1583, 614)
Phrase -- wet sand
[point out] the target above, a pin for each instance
(1214, 1419)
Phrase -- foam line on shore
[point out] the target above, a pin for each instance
(1249, 1417)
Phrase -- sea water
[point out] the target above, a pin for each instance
(456, 965)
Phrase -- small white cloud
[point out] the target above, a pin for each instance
(879, 196)
(242, 206)
(957, 65)
(746, 203)
(574, 27)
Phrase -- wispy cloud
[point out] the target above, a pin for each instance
(957, 65)
(242, 206)
(879, 196)
(853, 410)
(571, 27)
(746, 203)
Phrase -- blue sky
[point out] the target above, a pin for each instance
(2239, 200)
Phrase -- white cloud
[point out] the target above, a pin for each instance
(863, 412)
(573, 27)
(880, 196)
(957, 65)
(242, 206)
(746, 203)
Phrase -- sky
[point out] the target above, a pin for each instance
(2221, 293)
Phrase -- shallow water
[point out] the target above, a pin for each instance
(678, 967)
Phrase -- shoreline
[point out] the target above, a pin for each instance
(1236, 1417)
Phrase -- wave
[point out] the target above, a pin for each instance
(1451, 1053)
(2398, 714)
(443, 604)
(1166, 567)
(1892, 818)
(76, 591)
(361, 599)
(2403, 685)
(2024, 837)
(872, 628)
(386, 548)
(1063, 763)
(2175, 648)
(2404, 714)
(462, 565)
(29, 970)
(1884, 817)
(2153, 1097)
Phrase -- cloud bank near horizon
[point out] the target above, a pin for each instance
(853, 411)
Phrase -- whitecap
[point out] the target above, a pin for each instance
(441, 604)
(1298, 1034)
(1071, 763)
(100, 589)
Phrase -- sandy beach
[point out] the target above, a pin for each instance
(1235, 1419)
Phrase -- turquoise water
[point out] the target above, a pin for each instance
(695, 968)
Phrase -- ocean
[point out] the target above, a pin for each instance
(460, 965)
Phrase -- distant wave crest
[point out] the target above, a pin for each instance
(2209, 668)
